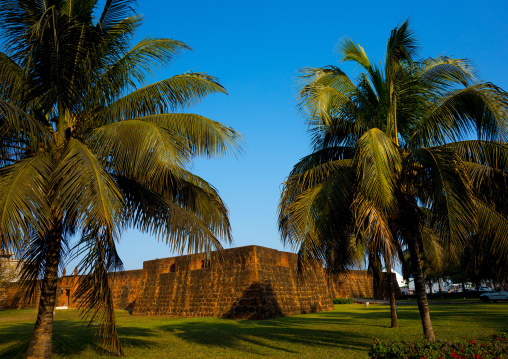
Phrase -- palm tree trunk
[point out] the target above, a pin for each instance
(375, 266)
(391, 294)
(440, 288)
(41, 342)
(423, 304)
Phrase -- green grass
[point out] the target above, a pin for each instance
(345, 332)
(447, 299)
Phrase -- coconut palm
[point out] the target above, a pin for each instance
(397, 140)
(88, 148)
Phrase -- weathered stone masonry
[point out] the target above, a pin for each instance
(246, 282)
(360, 284)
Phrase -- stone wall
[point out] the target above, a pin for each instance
(124, 287)
(12, 297)
(246, 282)
(360, 284)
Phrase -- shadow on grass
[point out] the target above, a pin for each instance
(281, 334)
(343, 329)
(70, 338)
(285, 335)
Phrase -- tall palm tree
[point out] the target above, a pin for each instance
(88, 149)
(398, 139)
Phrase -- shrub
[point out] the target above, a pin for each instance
(343, 301)
(496, 348)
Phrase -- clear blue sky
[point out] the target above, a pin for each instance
(255, 48)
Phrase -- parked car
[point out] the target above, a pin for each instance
(485, 289)
(494, 296)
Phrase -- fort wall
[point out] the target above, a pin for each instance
(247, 282)
(360, 284)
(250, 282)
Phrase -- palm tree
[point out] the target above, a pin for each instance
(88, 149)
(397, 140)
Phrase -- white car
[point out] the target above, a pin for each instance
(494, 296)
(485, 289)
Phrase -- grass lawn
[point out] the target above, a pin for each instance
(345, 332)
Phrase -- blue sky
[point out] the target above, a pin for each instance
(256, 49)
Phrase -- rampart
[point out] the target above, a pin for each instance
(247, 282)
(250, 282)
(360, 284)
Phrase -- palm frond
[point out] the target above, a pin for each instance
(373, 226)
(193, 219)
(445, 72)
(23, 200)
(89, 195)
(139, 61)
(348, 50)
(439, 178)
(482, 107)
(93, 295)
(327, 94)
(205, 137)
(22, 128)
(11, 77)
(378, 164)
(115, 11)
(401, 48)
(139, 148)
(160, 97)
(493, 229)
(483, 160)
(34, 260)
(315, 212)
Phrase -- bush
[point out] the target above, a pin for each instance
(493, 349)
(343, 301)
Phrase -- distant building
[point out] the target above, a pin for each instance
(400, 279)
(9, 267)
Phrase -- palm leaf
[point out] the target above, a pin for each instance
(146, 55)
(89, 195)
(444, 189)
(94, 295)
(204, 136)
(444, 72)
(378, 165)
(326, 95)
(23, 200)
(482, 106)
(493, 229)
(163, 96)
(191, 220)
(350, 51)
(115, 11)
(138, 148)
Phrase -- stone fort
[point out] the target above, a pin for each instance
(249, 282)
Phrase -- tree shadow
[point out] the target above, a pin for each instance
(70, 338)
(245, 335)
(258, 301)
